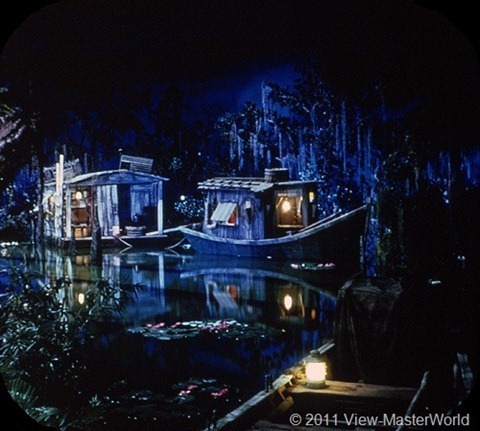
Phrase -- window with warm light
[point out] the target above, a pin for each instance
(289, 211)
(288, 302)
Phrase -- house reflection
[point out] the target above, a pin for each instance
(230, 295)
(175, 288)
(291, 304)
(251, 294)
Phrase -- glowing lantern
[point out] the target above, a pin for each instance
(315, 370)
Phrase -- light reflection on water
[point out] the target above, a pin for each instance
(176, 288)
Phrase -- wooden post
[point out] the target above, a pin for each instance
(160, 207)
(68, 214)
(58, 196)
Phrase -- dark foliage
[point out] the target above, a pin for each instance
(42, 338)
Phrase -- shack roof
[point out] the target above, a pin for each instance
(71, 169)
(251, 184)
(256, 185)
(114, 177)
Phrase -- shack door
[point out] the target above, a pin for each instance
(124, 203)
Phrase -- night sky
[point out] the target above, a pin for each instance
(403, 52)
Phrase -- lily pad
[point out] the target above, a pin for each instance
(229, 329)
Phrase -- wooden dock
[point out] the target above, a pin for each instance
(339, 406)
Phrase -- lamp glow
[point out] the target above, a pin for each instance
(288, 302)
(81, 298)
(286, 207)
(315, 370)
(78, 195)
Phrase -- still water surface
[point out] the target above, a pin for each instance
(179, 289)
(176, 288)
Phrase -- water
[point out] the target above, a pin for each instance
(296, 309)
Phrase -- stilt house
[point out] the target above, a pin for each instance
(126, 202)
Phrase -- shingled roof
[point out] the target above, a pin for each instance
(256, 185)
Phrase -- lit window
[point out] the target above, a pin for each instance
(289, 211)
(288, 302)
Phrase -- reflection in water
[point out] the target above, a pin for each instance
(177, 288)
(171, 284)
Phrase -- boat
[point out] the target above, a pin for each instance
(288, 403)
(335, 239)
(274, 217)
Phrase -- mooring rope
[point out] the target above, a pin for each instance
(175, 245)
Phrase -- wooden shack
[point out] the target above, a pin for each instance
(128, 202)
(274, 217)
(258, 208)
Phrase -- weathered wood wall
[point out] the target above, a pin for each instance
(250, 223)
(107, 202)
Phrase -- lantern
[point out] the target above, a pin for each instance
(315, 370)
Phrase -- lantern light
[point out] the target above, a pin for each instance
(78, 195)
(286, 206)
(81, 298)
(315, 370)
(288, 302)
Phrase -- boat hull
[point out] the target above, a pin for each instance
(337, 240)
